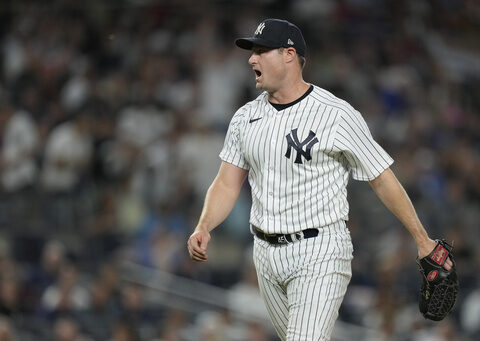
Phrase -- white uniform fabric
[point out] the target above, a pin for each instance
(287, 196)
(299, 160)
(303, 283)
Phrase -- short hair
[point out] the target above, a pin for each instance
(301, 59)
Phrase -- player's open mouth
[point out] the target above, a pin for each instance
(257, 74)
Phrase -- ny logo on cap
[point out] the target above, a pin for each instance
(260, 28)
(290, 42)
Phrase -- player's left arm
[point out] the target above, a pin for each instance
(395, 198)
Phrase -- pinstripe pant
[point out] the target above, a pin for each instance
(303, 283)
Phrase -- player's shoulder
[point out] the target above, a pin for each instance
(337, 104)
(256, 103)
(329, 99)
(246, 110)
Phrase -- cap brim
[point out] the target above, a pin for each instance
(247, 43)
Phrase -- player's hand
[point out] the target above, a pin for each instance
(197, 245)
(427, 248)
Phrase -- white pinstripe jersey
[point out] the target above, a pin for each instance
(299, 159)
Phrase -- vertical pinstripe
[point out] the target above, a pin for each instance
(287, 196)
(303, 283)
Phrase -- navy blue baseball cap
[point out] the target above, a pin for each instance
(275, 33)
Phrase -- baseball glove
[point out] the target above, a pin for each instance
(440, 288)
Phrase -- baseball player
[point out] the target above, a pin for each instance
(298, 144)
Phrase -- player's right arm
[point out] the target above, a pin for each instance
(219, 201)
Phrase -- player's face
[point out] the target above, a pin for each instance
(269, 67)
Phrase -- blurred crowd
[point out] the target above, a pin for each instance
(112, 115)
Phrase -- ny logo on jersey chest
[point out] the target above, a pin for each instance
(295, 143)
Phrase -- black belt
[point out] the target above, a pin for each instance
(284, 238)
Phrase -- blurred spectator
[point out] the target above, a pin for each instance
(198, 151)
(135, 310)
(76, 91)
(109, 279)
(470, 314)
(102, 233)
(124, 330)
(67, 295)
(68, 154)
(7, 331)
(67, 329)
(219, 325)
(46, 272)
(257, 332)
(444, 331)
(221, 77)
(98, 319)
(11, 297)
(67, 158)
(19, 148)
(140, 151)
(173, 326)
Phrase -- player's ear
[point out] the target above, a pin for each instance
(290, 54)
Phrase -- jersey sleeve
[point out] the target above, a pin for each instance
(232, 151)
(365, 157)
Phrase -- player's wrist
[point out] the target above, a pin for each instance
(425, 247)
(202, 228)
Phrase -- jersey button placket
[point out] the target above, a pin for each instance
(271, 176)
(269, 193)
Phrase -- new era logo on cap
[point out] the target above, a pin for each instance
(275, 33)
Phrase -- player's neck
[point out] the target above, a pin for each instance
(289, 93)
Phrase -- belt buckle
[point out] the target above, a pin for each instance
(299, 235)
(281, 239)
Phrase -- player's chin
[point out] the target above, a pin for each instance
(259, 85)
